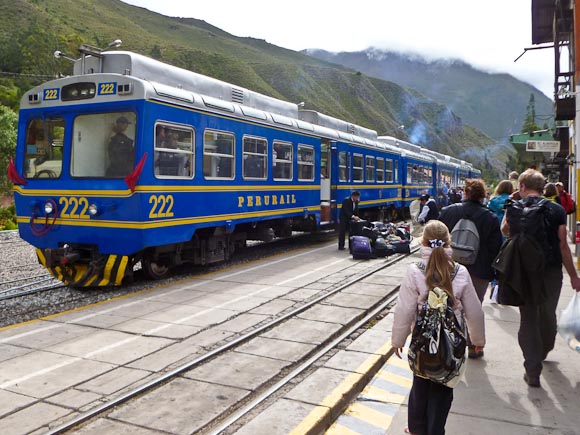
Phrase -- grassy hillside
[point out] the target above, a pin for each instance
(31, 30)
(493, 103)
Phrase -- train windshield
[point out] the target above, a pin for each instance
(44, 145)
(103, 145)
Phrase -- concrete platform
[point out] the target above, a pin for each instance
(492, 398)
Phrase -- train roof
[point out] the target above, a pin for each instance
(406, 148)
(337, 124)
(143, 67)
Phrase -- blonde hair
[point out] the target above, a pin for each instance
(439, 266)
(533, 180)
(504, 186)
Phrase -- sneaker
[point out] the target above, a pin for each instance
(532, 381)
(474, 353)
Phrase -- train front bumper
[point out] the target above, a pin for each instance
(104, 270)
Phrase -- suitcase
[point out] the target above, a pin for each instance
(401, 246)
(357, 226)
(360, 247)
(381, 248)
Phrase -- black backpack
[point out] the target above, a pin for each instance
(528, 217)
(438, 342)
(521, 262)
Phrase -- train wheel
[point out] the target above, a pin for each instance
(154, 269)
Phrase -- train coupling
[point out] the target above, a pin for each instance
(61, 256)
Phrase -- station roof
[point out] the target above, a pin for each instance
(522, 138)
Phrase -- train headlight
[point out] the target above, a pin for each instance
(93, 209)
(48, 208)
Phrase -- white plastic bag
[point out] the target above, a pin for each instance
(569, 324)
(494, 291)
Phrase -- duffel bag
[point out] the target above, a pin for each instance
(381, 248)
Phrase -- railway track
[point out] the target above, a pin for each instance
(27, 286)
(258, 397)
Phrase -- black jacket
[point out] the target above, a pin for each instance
(348, 210)
(490, 238)
(521, 281)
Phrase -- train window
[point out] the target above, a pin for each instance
(218, 155)
(343, 166)
(305, 163)
(282, 159)
(357, 167)
(396, 171)
(255, 158)
(370, 165)
(380, 170)
(389, 171)
(410, 171)
(103, 145)
(174, 151)
(44, 145)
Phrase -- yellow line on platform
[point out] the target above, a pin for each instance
(395, 379)
(378, 394)
(341, 390)
(397, 362)
(369, 415)
(338, 429)
(319, 413)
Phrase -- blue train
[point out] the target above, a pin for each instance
(132, 160)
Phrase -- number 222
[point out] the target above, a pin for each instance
(162, 206)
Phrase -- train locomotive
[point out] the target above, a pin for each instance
(132, 160)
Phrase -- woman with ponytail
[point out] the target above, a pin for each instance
(430, 402)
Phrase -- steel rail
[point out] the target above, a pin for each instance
(91, 413)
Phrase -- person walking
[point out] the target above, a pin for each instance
(565, 199)
(513, 177)
(490, 238)
(348, 213)
(430, 402)
(538, 321)
(501, 194)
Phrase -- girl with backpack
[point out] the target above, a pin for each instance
(429, 401)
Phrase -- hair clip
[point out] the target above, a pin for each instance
(436, 243)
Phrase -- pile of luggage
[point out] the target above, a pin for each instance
(378, 239)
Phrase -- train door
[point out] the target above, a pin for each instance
(325, 177)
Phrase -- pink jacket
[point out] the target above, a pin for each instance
(413, 293)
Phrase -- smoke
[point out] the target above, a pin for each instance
(418, 134)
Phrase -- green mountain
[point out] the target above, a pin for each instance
(494, 103)
(31, 30)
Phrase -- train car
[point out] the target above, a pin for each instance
(134, 160)
(445, 176)
(362, 164)
(417, 170)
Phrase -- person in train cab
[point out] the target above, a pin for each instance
(429, 401)
(538, 320)
(490, 238)
(429, 210)
(120, 150)
(160, 136)
(348, 213)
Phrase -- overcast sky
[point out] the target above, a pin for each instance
(489, 35)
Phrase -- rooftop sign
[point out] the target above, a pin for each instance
(543, 146)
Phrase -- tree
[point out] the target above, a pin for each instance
(8, 127)
(530, 121)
